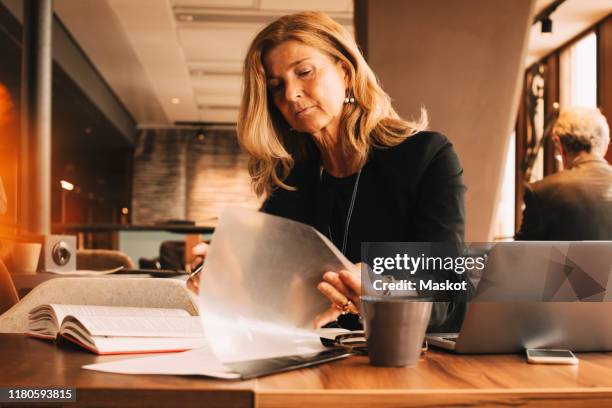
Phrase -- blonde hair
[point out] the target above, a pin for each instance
(583, 129)
(263, 132)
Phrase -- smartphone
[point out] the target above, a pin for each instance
(550, 356)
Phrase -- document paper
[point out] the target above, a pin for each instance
(258, 292)
(200, 361)
(258, 296)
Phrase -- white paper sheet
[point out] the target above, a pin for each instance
(193, 362)
(258, 288)
(199, 361)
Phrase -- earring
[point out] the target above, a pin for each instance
(349, 99)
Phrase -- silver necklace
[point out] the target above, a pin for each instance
(348, 215)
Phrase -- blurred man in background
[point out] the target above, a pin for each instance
(574, 204)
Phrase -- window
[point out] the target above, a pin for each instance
(578, 73)
(503, 228)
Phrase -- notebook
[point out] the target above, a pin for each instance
(118, 330)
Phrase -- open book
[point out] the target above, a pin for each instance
(118, 330)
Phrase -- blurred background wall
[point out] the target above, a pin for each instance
(189, 175)
(462, 60)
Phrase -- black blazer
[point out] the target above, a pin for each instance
(572, 205)
(412, 192)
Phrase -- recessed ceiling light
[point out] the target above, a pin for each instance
(185, 17)
(175, 101)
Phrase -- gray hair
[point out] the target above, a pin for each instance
(583, 129)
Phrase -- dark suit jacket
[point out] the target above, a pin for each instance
(413, 192)
(572, 205)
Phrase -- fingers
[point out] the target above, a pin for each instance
(200, 249)
(334, 279)
(327, 316)
(193, 286)
(340, 301)
(197, 261)
(352, 280)
(343, 291)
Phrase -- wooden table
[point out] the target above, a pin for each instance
(444, 379)
(32, 362)
(439, 379)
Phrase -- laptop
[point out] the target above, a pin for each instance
(536, 294)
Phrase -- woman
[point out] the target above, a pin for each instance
(327, 149)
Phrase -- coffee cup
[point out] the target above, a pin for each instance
(395, 328)
(25, 257)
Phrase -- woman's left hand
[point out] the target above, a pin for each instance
(343, 289)
(199, 251)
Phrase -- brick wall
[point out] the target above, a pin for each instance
(178, 175)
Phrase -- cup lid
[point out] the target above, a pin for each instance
(391, 298)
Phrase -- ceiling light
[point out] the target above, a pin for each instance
(175, 101)
(67, 185)
(546, 25)
(188, 18)
(543, 17)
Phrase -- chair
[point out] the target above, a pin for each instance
(171, 256)
(105, 291)
(8, 293)
(102, 259)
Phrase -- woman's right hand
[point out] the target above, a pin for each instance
(343, 290)
(199, 251)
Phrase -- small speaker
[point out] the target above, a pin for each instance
(59, 253)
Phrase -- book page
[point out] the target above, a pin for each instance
(137, 326)
(85, 272)
(61, 311)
